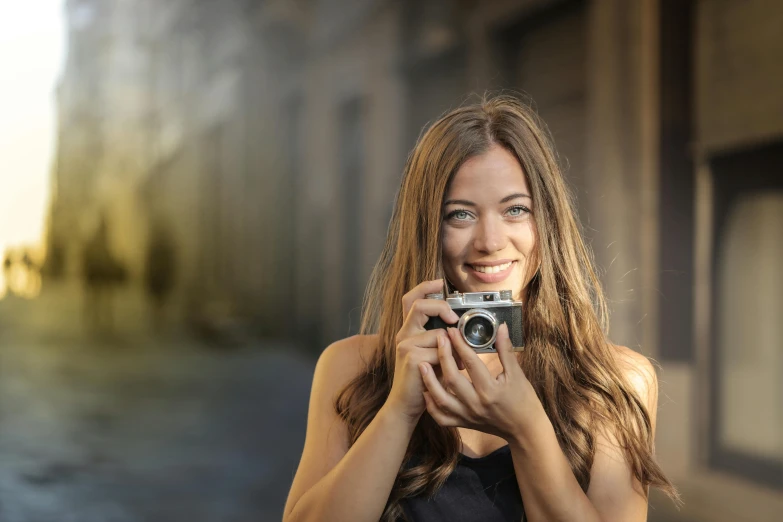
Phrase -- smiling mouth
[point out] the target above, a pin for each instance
(491, 269)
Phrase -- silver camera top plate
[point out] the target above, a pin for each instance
(493, 299)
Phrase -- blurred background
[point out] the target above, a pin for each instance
(193, 194)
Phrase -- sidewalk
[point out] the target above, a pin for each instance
(146, 429)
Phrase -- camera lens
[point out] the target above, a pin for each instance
(478, 327)
(478, 331)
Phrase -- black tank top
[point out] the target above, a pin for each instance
(480, 489)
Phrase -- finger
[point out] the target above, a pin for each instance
(425, 339)
(457, 358)
(420, 348)
(438, 373)
(461, 387)
(445, 401)
(477, 370)
(506, 353)
(438, 415)
(422, 310)
(420, 291)
(419, 355)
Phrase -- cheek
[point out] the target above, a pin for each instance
(525, 240)
(455, 243)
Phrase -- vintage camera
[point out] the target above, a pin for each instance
(481, 314)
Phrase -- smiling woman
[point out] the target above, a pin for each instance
(409, 423)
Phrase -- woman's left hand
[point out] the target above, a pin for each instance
(504, 405)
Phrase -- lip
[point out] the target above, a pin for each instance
(494, 263)
(492, 278)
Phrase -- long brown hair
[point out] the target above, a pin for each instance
(568, 358)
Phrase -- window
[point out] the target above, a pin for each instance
(746, 363)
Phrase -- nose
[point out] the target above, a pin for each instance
(490, 236)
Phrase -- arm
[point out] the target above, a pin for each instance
(333, 482)
(547, 484)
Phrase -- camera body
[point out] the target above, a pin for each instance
(480, 316)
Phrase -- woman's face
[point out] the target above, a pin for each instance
(489, 239)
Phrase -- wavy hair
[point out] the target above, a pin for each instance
(568, 358)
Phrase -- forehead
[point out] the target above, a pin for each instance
(496, 172)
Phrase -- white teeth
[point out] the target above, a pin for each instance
(491, 269)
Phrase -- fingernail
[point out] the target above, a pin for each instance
(423, 368)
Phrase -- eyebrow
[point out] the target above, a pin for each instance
(471, 204)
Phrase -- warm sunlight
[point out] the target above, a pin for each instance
(32, 46)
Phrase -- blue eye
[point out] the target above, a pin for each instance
(518, 211)
(459, 215)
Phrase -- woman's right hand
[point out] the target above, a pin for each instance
(416, 345)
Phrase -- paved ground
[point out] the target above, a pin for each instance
(141, 428)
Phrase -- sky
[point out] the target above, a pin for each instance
(32, 50)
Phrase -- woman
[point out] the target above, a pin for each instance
(411, 424)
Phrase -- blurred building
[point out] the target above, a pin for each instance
(104, 147)
(271, 136)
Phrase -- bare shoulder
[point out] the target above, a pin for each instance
(327, 439)
(343, 360)
(640, 374)
(615, 491)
